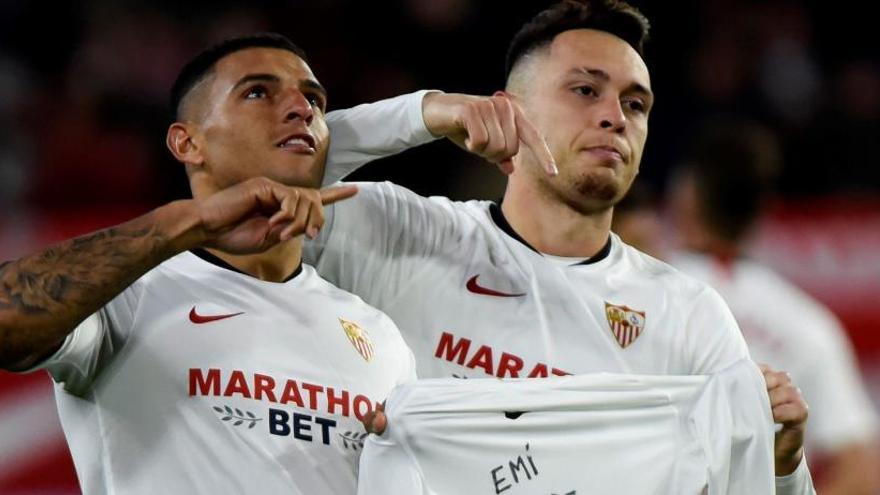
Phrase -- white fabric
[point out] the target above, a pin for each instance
(266, 401)
(351, 146)
(797, 483)
(788, 330)
(564, 260)
(596, 434)
(415, 257)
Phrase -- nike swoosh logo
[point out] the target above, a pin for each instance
(199, 319)
(476, 288)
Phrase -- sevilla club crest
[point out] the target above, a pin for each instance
(626, 324)
(358, 338)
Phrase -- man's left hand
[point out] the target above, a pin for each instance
(791, 411)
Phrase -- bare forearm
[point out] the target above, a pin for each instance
(44, 296)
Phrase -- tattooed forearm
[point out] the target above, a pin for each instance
(45, 295)
(72, 273)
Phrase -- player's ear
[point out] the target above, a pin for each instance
(180, 142)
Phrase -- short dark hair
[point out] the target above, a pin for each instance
(612, 16)
(734, 165)
(203, 63)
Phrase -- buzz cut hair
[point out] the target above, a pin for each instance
(611, 16)
(202, 65)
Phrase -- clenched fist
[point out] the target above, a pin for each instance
(491, 127)
(791, 411)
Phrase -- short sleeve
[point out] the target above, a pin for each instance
(89, 348)
(714, 339)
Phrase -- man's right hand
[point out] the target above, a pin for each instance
(254, 215)
(45, 295)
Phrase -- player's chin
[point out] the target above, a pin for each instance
(601, 186)
(300, 174)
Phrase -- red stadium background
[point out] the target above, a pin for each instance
(82, 119)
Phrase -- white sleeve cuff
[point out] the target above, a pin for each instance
(371, 131)
(799, 482)
(421, 134)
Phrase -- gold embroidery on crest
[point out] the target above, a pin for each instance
(626, 323)
(359, 338)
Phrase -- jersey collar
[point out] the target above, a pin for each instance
(214, 260)
(501, 222)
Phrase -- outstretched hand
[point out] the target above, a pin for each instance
(791, 411)
(255, 215)
(493, 127)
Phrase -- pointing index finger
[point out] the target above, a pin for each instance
(532, 138)
(330, 195)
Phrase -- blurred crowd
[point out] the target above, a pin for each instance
(83, 85)
(84, 109)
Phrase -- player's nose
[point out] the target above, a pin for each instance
(610, 115)
(297, 106)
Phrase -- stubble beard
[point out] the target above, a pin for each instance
(593, 192)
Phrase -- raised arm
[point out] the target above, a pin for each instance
(367, 132)
(45, 295)
(490, 127)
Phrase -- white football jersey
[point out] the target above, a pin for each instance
(374, 130)
(787, 329)
(586, 434)
(472, 299)
(201, 379)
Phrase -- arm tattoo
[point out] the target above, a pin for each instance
(45, 295)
